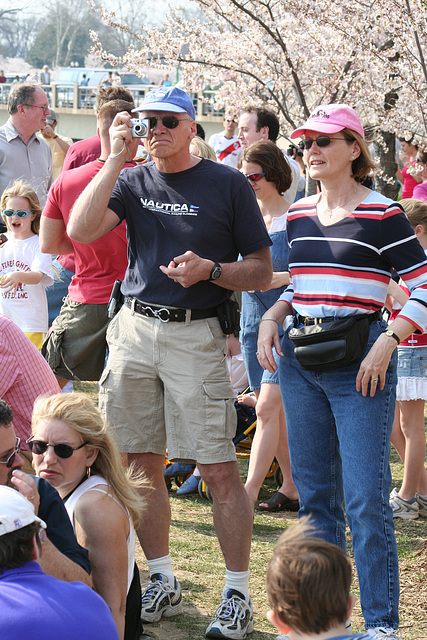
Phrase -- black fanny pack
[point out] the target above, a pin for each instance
(332, 343)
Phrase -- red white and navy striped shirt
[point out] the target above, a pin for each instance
(344, 269)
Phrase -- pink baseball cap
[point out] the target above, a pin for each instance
(331, 118)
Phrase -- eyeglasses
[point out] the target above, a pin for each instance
(45, 107)
(38, 447)
(321, 141)
(10, 459)
(21, 213)
(254, 177)
(170, 122)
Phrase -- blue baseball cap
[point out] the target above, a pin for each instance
(167, 99)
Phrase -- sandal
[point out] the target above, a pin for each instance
(279, 502)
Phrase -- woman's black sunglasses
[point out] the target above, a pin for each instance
(321, 141)
(38, 447)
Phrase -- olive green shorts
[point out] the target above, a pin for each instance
(75, 346)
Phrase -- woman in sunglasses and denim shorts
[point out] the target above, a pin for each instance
(344, 242)
(74, 453)
(269, 175)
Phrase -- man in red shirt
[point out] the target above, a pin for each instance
(88, 150)
(75, 346)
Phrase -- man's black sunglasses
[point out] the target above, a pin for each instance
(170, 122)
(38, 447)
(10, 459)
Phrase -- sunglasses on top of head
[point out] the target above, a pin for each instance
(254, 177)
(38, 447)
(170, 122)
(321, 141)
(21, 213)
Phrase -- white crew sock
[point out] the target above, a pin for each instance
(238, 580)
(162, 565)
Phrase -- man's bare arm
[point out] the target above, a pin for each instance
(53, 562)
(253, 272)
(53, 237)
(56, 564)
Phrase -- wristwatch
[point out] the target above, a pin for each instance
(216, 271)
(391, 334)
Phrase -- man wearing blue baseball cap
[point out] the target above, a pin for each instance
(166, 380)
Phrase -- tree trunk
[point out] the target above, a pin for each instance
(385, 180)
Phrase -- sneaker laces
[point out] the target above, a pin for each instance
(150, 591)
(229, 608)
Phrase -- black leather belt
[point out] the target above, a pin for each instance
(310, 321)
(168, 314)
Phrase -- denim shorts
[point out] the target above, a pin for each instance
(412, 362)
(411, 373)
(256, 374)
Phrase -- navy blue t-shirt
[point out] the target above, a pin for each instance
(59, 528)
(209, 209)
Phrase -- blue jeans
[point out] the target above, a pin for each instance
(339, 445)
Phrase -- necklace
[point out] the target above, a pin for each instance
(339, 206)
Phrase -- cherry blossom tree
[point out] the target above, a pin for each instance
(295, 54)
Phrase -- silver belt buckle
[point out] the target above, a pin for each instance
(160, 313)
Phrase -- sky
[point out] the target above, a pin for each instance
(35, 6)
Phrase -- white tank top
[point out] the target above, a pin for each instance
(91, 485)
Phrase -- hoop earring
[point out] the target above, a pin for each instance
(88, 472)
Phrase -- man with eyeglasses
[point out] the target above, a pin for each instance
(225, 143)
(166, 378)
(23, 154)
(62, 556)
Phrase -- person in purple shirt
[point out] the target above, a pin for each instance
(33, 604)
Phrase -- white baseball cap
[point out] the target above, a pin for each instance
(16, 511)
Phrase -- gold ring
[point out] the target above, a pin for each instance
(32, 497)
(375, 380)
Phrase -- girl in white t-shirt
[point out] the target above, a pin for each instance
(25, 271)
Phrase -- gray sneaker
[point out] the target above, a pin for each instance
(384, 633)
(233, 619)
(160, 598)
(404, 509)
(422, 505)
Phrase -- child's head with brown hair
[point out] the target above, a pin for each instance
(308, 583)
(416, 211)
(20, 189)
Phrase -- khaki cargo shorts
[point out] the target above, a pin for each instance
(167, 384)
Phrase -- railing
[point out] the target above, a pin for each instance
(78, 98)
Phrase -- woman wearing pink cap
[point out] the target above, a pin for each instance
(339, 394)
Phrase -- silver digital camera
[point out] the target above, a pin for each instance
(140, 127)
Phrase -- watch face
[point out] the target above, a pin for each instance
(216, 272)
